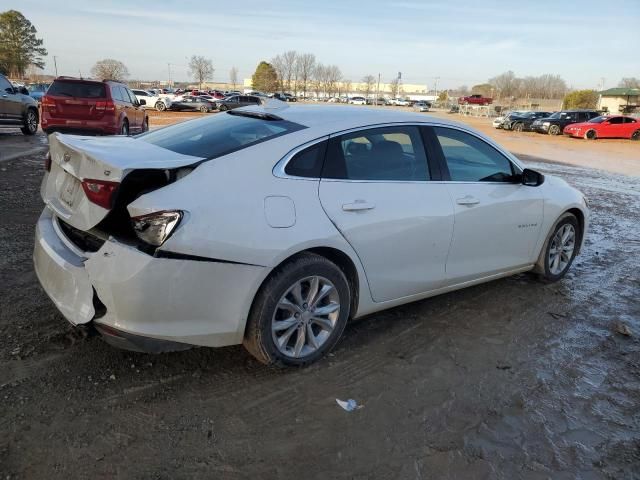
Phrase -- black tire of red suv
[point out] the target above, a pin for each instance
(124, 129)
(31, 121)
(145, 125)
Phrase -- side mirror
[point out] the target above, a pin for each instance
(142, 101)
(531, 178)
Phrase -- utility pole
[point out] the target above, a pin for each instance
(169, 66)
(55, 64)
(436, 87)
(378, 90)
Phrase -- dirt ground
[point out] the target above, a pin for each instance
(507, 380)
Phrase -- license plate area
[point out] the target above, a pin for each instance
(69, 190)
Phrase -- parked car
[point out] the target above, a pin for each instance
(285, 97)
(236, 101)
(152, 99)
(358, 101)
(399, 102)
(522, 122)
(37, 90)
(422, 106)
(151, 244)
(475, 100)
(17, 109)
(497, 122)
(193, 103)
(76, 105)
(614, 126)
(555, 124)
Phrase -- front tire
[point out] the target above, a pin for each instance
(554, 130)
(145, 125)
(299, 313)
(518, 127)
(223, 108)
(204, 109)
(635, 135)
(160, 106)
(124, 130)
(560, 249)
(30, 122)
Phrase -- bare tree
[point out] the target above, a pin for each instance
(110, 69)
(394, 85)
(506, 83)
(285, 65)
(333, 76)
(318, 79)
(233, 77)
(305, 67)
(369, 82)
(629, 82)
(201, 69)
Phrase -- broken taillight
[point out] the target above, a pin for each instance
(156, 227)
(99, 192)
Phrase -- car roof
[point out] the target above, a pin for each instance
(333, 118)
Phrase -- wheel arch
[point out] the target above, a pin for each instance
(580, 216)
(341, 259)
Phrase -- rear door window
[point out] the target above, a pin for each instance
(308, 162)
(616, 120)
(77, 89)
(380, 154)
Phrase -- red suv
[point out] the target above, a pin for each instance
(73, 105)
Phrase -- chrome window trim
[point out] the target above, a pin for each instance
(279, 168)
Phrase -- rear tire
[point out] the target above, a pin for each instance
(124, 129)
(590, 135)
(635, 135)
(518, 127)
(559, 252)
(554, 130)
(30, 122)
(286, 311)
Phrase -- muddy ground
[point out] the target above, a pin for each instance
(507, 380)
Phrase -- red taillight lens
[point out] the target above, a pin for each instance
(105, 106)
(99, 192)
(47, 102)
(47, 162)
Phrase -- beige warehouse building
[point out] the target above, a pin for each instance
(620, 100)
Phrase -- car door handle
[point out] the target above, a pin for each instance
(358, 205)
(468, 200)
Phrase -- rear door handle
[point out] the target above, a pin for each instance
(358, 205)
(468, 200)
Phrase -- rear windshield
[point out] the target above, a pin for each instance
(78, 89)
(218, 135)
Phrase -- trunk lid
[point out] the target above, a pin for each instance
(75, 159)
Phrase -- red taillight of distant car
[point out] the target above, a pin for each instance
(47, 103)
(99, 192)
(105, 106)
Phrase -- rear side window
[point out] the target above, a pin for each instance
(218, 135)
(470, 159)
(308, 162)
(77, 89)
(616, 120)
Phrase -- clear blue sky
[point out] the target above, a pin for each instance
(461, 41)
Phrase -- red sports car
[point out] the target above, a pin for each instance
(606, 126)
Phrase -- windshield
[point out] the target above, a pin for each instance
(218, 135)
(598, 119)
(555, 115)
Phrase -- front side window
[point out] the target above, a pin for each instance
(470, 159)
(5, 86)
(218, 135)
(383, 154)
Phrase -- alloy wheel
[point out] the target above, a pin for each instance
(32, 121)
(305, 316)
(561, 249)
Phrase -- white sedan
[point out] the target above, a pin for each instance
(273, 226)
(153, 100)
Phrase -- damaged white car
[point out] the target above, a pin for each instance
(272, 227)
